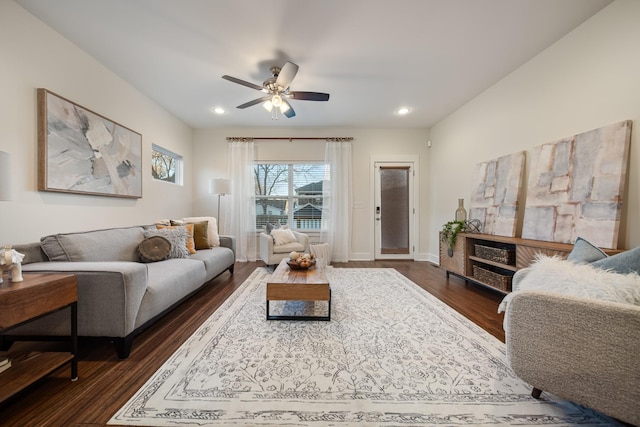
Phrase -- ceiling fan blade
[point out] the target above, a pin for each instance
(309, 96)
(290, 112)
(254, 102)
(287, 73)
(242, 82)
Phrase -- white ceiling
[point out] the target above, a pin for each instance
(372, 56)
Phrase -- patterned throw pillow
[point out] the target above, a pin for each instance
(176, 235)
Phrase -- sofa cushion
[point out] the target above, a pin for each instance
(114, 244)
(169, 282)
(176, 235)
(584, 252)
(216, 260)
(289, 247)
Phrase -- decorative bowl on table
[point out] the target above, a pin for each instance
(298, 261)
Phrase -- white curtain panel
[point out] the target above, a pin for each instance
(240, 215)
(336, 212)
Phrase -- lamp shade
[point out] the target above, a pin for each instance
(220, 186)
(5, 176)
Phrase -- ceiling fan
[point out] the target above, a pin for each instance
(278, 93)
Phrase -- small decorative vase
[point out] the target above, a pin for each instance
(461, 213)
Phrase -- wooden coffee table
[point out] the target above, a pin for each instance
(286, 284)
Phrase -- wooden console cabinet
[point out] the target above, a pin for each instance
(21, 302)
(467, 264)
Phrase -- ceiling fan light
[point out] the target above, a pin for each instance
(268, 106)
(276, 100)
(284, 107)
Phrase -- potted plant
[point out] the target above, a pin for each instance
(449, 232)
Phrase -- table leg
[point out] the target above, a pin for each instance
(74, 341)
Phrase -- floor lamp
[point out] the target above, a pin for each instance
(221, 187)
(5, 176)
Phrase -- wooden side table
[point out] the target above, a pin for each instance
(22, 302)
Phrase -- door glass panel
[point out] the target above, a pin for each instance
(394, 212)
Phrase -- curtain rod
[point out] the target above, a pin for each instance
(289, 138)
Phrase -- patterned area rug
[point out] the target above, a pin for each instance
(392, 355)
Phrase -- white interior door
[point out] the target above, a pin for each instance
(394, 210)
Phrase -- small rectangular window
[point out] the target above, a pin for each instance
(165, 165)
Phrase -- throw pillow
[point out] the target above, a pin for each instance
(623, 263)
(200, 233)
(282, 236)
(584, 252)
(189, 244)
(154, 248)
(176, 235)
(553, 274)
(212, 230)
(270, 226)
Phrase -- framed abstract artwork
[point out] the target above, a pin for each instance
(83, 152)
(576, 187)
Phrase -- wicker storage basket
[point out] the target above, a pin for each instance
(491, 278)
(501, 255)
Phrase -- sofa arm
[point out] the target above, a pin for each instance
(582, 350)
(304, 239)
(109, 296)
(229, 242)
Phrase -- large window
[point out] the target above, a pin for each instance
(290, 193)
(165, 165)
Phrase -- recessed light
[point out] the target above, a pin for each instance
(402, 111)
(218, 110)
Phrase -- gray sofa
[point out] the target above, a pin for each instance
(573, 329)
(118, 296)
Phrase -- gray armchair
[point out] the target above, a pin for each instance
(272, 254)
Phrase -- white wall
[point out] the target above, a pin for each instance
(32, 56)
(588, 79)
(210, 152)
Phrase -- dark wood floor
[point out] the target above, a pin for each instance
(106, 383)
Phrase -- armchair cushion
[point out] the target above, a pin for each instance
(282, 236)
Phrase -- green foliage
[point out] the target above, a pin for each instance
(450, 230)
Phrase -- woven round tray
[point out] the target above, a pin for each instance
(154, 248)
(295, 266)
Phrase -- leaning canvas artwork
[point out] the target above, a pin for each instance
(576, 187)
(494, 199)
(80, 151)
